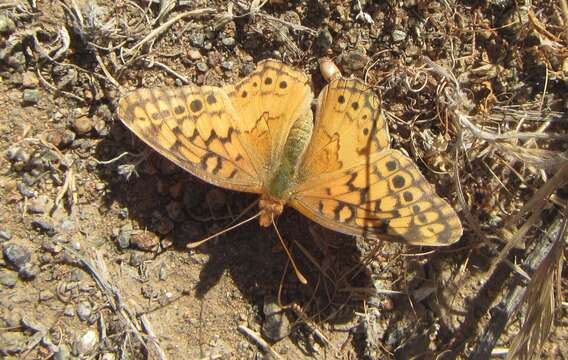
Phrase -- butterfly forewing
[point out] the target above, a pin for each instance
(349, 126)
(269, 101)
(195, 127)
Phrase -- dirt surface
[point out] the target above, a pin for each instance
(94, 226)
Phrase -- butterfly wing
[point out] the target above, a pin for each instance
(269, 101)
(350, 181)
(198, 129)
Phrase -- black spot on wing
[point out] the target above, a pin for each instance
(211, 99)
(398, 181)
(196, 105)
(179, 109)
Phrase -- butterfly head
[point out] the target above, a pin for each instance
(270, 208)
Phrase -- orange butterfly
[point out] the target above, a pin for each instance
(259, 136)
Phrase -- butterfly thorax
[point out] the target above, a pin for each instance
(270, 208)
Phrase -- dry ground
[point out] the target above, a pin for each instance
(93, 227)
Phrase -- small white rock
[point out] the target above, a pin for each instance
(85, 343)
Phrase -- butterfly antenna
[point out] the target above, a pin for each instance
(299, 275)
(193, 245)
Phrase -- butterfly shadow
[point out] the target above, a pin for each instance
(250, 255)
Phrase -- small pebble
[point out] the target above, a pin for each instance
(29, 179)
(30, 96)
(85, 343)
(228, 41)
(44, 226)
(276, 325)
(166, 243)
(84, 311)
(197, 39)
(149, 292)
(40, 205)
(25, 190)
(16, 255)
(7, 25)
(124, 236)
(146, 240)
(324, 39)
(82, 125)
(247, 68)
(355, 60)
(67, 225)
(194, 54)
(61, 138)
(5, 235)
(201, 66)
(8, 278)
(227, 65)
(398, 35)
(123, 213)
(62, 353)
(17, 61)
(16, 153)
(163, 272)
(29, 271)
(29, 80)
(69, 310)
(68, 80)
(77, 275)
(136, 259)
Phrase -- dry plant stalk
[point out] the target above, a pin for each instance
(540, 301)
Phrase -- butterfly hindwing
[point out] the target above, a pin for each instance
(388, 198)
(197, 128)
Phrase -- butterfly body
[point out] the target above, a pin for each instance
(260, 136)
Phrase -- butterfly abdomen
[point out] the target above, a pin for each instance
(298, 138)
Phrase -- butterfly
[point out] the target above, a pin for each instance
(260, 136)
